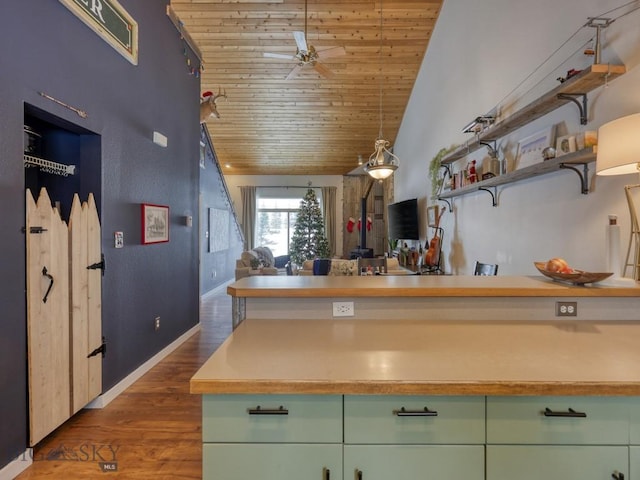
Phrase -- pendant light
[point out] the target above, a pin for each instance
(382, 162)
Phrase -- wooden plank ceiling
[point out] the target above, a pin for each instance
(308, 124)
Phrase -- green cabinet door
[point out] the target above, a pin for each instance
(555, 462)
(634, 463)
(413, 462)
(223, 461)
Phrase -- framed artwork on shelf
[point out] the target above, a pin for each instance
(155, 223)
(432, 215)
(565, 144)
(530, 148)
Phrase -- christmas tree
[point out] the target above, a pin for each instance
(308, 240)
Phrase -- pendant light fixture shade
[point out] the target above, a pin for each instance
(382, 163)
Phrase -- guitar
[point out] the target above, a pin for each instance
(432, 257)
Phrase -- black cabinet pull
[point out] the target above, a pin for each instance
(617, 475)
(326, 474)
(358, 475)
(403, 412)
(569, 413)
(268, 411)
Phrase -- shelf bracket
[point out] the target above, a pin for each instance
(573, 97)
(491, 146)
(448, 203)
(491, 192)
(584, 175)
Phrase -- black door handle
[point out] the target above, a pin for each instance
(50, 277)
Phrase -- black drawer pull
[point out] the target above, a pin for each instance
(570, 413)
(358, 475)
(268, 411)
(326, 474)
(403, 412)
(617, 475)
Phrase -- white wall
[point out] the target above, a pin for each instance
(479, 53)
(234, 182)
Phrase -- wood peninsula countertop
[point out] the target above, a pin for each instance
(282, 286)
(426, 357)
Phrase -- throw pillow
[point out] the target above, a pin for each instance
(265, 256)
(343, 267)
(247, 256)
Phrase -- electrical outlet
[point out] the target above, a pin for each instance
(566, 309)
(343, 309)
(157, 323)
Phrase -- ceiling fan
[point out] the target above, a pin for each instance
(307, 54)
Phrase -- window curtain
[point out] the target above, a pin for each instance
(329, 208)
(248, 215)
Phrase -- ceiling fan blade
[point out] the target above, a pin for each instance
(332, 52)
(294, 72)
(278, 55)
(322, 70)
(301, 41)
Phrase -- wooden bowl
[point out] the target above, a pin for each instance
(578, 277)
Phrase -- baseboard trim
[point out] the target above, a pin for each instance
(108, 396)
(217, 290)
(14, 468)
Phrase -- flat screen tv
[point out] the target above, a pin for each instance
(403, 220)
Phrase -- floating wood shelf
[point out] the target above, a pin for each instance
(579, 85)
(569, 161)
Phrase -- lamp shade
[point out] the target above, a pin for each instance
(619, 146)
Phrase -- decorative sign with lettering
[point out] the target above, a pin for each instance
(109, 20)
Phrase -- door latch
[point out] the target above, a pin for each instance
(99, 265)
(101, 349)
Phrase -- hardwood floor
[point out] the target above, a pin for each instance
(152, 430)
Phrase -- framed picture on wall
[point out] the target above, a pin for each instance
(432, 215)
(203, 154)
(155, 223)
(218, 229)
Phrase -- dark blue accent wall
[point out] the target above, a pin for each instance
(45, 48)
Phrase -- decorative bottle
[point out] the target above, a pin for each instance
(613, 247)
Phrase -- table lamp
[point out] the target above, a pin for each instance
(619, 154)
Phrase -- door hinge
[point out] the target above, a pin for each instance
(101, 349)
(98, 266)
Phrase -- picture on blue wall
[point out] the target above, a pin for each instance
(218, 229)
(155, 223)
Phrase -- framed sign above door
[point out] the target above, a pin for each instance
(111, 21)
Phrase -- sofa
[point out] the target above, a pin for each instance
(260, 261)
(342, 267)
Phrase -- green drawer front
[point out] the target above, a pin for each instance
(522, 420)
(371, 420)
(634, 463)
(377, 462)
(310, 418)
(634, 417)
(271, 462)
(559, 462)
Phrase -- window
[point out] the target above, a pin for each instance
(277, 209)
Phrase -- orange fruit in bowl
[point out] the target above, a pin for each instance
(558, 264)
